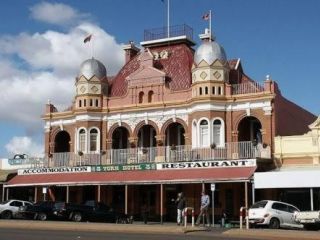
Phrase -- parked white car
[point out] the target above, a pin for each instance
(273, 214)
(10, 209)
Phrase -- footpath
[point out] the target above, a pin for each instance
(156, 228)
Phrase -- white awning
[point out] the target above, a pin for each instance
(296, 178)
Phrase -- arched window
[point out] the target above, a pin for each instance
(204, 133)
(97, 103)
(141, 97)
(91, 102)
(80, 103)
(150, 96)
(93, 140)
(84, 102)
(206, 90)
(217, 132)
(213, 90)
(194, 134)
(219, 90)
(200, 91)
(82, 140)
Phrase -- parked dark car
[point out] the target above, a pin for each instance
(90, 211)
(40, 210)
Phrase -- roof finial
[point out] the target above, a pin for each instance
(268, 77)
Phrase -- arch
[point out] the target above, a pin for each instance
(150, 96)
(200, 90)
(116, 125)
(147, 136)
(194, 133)
(169, 121)
(206, 90)
(62, 142)
(120, 138)
(218, 131)
(82, 140)
(94, 139)
(142, 123)
(249, 129)
(204, 130)
(141, 95)
(174, 134)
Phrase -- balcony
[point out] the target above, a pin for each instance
(165, 154)
(164, 32)
(247, 88)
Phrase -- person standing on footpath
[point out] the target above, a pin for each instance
(205, 202)
(181, 204)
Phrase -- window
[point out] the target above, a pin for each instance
(97, 103)
(93, 140)
(84, 102)
(141, 97)
(280, 207)
(260, 204)
(217, 132)
(82, 140)
(79, 103)
(213, 90)
(200, 91)
(16, 204)
(206, 90)
(194, 134)
(150, 96)
(204, 133)
(219, 90)
(91, 103)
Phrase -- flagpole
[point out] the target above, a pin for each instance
(168, 17)
(210, 25)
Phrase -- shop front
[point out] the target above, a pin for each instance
(131, 189)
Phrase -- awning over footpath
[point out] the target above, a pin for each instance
(288, 178)
(234, 174)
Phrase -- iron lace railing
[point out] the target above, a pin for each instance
(183, 153)
(174, 31)
(246, 88)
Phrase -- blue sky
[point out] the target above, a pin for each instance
(41, 49)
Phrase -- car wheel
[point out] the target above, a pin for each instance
(77, 217)
(274, 223)
(6, 215)
(42, 216)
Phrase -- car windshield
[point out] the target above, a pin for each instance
(260, 204)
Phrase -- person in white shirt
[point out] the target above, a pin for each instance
(205, 202)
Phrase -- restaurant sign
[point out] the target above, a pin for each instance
(125, 167)
(207, 164)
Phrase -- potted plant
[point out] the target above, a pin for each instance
(80, 153)
(213, 145)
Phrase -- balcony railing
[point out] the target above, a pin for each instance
(174, 31)
(246, 88)
(183, 153)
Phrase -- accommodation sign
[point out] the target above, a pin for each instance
(30, 171)
(127, 167)
(208, 164)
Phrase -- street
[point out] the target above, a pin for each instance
(20, 234)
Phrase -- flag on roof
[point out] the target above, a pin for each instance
(87, 38)
(206, 16)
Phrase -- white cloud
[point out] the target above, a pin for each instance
(24, 145)
(56, 13)
(41, 66)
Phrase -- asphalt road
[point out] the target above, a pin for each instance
(20, 234)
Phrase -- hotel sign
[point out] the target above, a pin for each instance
(207, 164)
(128, 167)
(30, 171)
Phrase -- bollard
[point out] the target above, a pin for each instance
(185, 214)
(246, 217)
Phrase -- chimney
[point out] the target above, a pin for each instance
(130, 51)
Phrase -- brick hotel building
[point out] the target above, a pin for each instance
(176, 118)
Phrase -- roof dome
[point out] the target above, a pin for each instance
(209, 51)
(92, 67)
